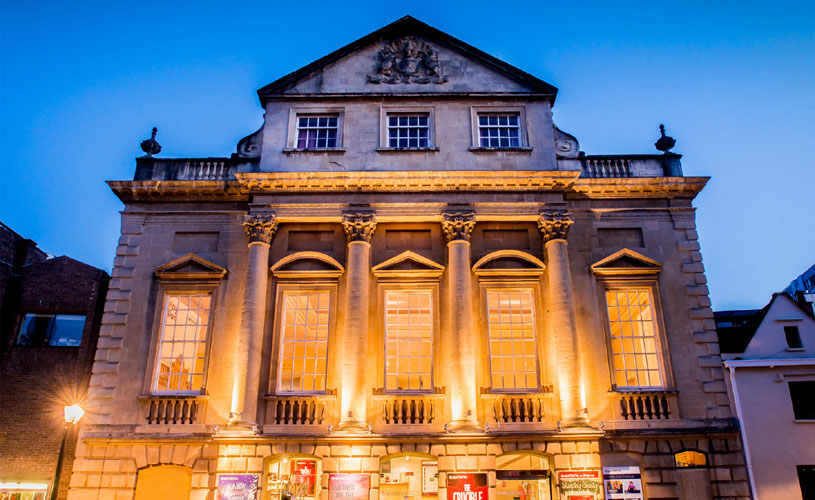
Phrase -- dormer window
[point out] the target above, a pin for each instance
(317, 131)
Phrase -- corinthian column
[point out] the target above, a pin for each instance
(359, 228)
(460, 352)
(261, 230)
(554, 227)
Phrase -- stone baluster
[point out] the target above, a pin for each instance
(260, 229)
(359, 228)
(554, 227)
(460, 347)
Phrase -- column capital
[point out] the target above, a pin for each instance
(457, 225)
(554, 225)
(359, 226)
(260, 228)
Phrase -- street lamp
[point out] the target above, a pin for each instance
(72, 414)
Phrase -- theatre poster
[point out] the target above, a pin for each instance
(580, 485)
(471, 486)
(237, 486)
(622, 483)
(349, 486)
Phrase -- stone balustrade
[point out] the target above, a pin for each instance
(517, 408)
(624, 166)
(298, 411)
(644, 406)
(192, 169)
(173, 410)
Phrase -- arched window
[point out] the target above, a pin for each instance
(168, 482)
(403, 475)
(690, 458)
(523, 475)
(292, 477)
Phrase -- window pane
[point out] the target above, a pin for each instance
(317, 131)
(182, 347)
(304, 342)
(499, 130)
(633, 339)
(408, 340)
(406, 131)
(513, 361)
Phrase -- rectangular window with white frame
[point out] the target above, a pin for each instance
(635, 353)
(499, 130)
(317, 131)
(182, 348)
(304, 327)
(512, 340)
(408, 340)
(408, 131)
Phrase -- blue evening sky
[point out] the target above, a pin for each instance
(734, 82)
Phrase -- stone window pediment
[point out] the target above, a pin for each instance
(626, 262)
(190, 267)
(408, 265)
(307, 265)
(504, 263)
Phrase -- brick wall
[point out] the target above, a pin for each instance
(36, 382)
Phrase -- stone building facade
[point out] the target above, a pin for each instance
(51, 314)
(409, 283)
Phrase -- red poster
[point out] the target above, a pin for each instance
(580, 484)
(304, 472)
(349, 486)
(467, 486)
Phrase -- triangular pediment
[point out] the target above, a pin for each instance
(190, 266)
(626, 261)
(407, 56)
(408, 264)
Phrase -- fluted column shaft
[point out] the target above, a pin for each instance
(460, 356)
(246, 381)
(359, 229)
(555, 228)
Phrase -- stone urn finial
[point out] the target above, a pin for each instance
(665, 142)
(151, 146)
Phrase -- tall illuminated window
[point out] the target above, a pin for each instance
(634, 351)
(408, 341)
(513, 357)
(304, 341)
(181, 358)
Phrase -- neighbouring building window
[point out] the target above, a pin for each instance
(317, 131)
(513, 357)
(803, 402)
(43, 329)
(304, 341)
(408, 341)
(634, 352)
(499, 130)
(407, 131)
(23, 491)
(181, 357)
(793, 337)
(690, 458)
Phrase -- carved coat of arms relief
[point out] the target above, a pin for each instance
(408, 60)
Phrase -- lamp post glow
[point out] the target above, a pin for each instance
(72, 414)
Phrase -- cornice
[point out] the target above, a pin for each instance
(179, 190)
(637, 187)
(407, 181)
(565, 181)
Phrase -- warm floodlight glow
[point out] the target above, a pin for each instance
(73, 413)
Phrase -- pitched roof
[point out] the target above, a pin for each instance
(402, 27)
(735, 339)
